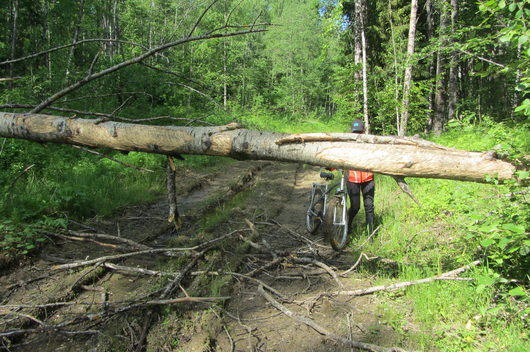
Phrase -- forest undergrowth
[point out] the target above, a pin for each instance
(46, 187)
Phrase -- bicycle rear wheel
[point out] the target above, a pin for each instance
(314, 212)
(336, 222)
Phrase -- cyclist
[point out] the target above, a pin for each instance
(361, 182)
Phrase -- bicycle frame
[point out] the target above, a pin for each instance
(326, 190)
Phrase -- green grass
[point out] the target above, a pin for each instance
(458, 222)
(222, 211)
(265, 121)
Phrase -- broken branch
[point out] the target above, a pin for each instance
(446, 276)
(305, 320)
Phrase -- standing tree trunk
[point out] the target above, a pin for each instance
(453, 67)
(114, 29)
(47, 36)
(515, 96)
(14, 33)
(365, 74)
(396, 66)
(407, 80)
(432, 66)
(360, 59)
(440, 94)
(77, 30)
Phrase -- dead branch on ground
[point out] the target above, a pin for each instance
(357, 263)
(186, 251)
(134, 270)
(327, 268)
(166, 251)
(110, 310)
(305, 320)
(299, 237)
(266, 266)
(451, 275)
(74, 238)
(271, 289)
(122, 240)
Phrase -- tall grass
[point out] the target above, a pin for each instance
(486, 314)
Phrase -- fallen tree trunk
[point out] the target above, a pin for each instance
(408, 157)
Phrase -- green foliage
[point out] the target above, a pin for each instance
(504, 25)
(64, 183)
(458, 223)
(24, 238)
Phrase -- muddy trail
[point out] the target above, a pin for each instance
(242, 274)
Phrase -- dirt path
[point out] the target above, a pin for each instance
(268, 207)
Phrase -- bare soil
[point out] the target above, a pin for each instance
(265, 203)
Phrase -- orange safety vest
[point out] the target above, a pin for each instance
(359, 176)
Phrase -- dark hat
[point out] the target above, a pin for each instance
(357, 126)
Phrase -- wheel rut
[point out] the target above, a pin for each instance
(264, 206)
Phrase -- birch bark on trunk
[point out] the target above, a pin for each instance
(407, 80)
(365, 76)
(386, 155)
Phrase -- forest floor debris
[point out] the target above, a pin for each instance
(131, 283)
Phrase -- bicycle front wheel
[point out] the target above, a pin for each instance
(314, 212)
(337, 223)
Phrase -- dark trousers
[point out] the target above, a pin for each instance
(354, 192)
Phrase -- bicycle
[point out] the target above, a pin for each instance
(327, 206)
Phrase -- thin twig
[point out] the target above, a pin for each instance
(26, 169)
(134, 270)
(298, 236)
(482, 58)
(305, 320)
(122, 240)
(73, 238)
(271, 289)
(323, 266)
(356, 263)
(67, 46)
(201, 16)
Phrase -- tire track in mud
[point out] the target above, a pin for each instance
(144, 224)
(275, 206)
(250, 323)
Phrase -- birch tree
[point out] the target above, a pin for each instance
(407, 81)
